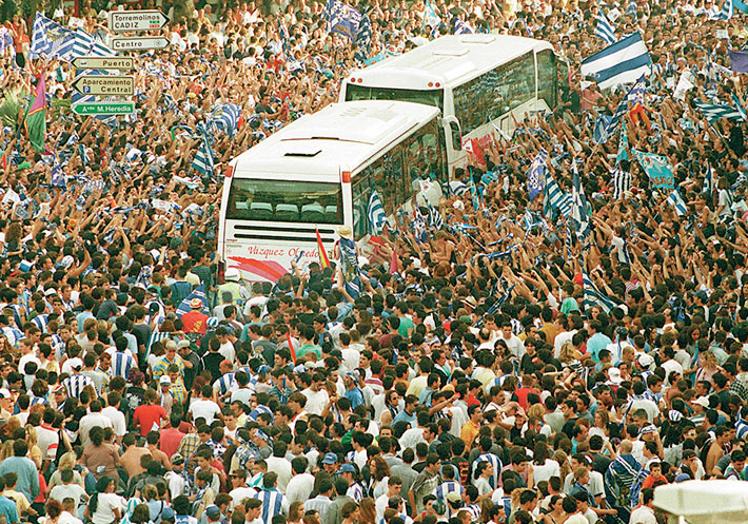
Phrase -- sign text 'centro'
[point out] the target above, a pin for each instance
(145, 20)
(139, 43)
(105, 85)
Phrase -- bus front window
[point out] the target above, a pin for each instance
(432, 97)
(285, 201)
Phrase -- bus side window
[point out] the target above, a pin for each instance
(361, 193)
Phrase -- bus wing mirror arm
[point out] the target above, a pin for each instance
(452, 126)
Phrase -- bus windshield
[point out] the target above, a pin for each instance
(434, 97)
(285, 201)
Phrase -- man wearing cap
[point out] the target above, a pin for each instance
(195, 321)
(166, 399)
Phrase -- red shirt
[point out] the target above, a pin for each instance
(147, 415)
(169, 440)
(522, 393)
(195, 322)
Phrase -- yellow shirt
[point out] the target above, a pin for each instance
(22, 503)
(469, 432)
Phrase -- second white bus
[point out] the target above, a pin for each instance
(480, 82)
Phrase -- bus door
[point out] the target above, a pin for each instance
(456, 156)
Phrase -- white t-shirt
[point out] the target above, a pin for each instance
(107, 503)
(239, 494)
(315, 402)
(204, 408)
(546, 471)
(119, 424)
(228, 352)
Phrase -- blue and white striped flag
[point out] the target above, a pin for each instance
(462, 28)
(632, 8)
(605, 29)
(363, 35)
(714, 112)
(556, 200)
(203, 162)
(377, 216)
(459, 188)
(581, 211)
(185, 307)
(430, 18)
(739, 107)
(675, 200)
(621, 183)
(48, 37)
(594, 297)
(620, 63)
(725, 13)
(435, 218)
(349, 266)
(226, 118)
(537, 173)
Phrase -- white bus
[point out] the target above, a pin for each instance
(318, 173)
(480, 82)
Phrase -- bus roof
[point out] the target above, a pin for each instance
(450, 60)
(340, 137)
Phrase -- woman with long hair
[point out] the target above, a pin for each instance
(367, 511)
(295, 512)
(380, 476)
(105, 505)
(543, 467)
(32, 441)
(101, 458)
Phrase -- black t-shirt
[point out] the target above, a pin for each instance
(211, 362)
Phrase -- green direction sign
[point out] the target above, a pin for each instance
(104, 108)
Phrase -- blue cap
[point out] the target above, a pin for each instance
(168, 514)
(330, 458)
(347, 468)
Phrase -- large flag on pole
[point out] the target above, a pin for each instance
(621, 63)
(36, 116)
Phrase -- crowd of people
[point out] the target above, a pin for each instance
(458, 386)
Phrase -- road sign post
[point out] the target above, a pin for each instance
(104, 62)
(102, 85)
(144, 20)
(139, 43)
(104, 108)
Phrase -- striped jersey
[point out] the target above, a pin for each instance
(122, 363)
(447, 487)
(495, 462)
(273, 503)
(74, 384)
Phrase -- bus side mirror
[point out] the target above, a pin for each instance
(454, 131)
